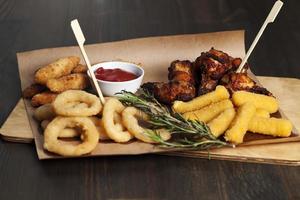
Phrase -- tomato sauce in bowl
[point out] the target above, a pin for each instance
(114, 75)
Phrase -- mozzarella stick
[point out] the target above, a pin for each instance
(197, 103)
(221, 123)
(271, 126)
(262, 113)
(260, 101)
(59, 68)
(209, 112)
(69, 82)
(239, 125)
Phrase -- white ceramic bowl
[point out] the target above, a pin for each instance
(110, 88)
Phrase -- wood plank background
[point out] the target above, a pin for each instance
(33, 24)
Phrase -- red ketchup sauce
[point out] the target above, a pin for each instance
(114, 75)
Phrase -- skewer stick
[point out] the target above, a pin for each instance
(270, 18)
(80, 40)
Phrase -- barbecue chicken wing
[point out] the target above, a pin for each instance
(241, 81)
(181, 85)
(210, 67)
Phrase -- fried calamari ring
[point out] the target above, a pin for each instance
(111, 107)
(64, 133)
(130, 121)
(76, 103)
(88, 130)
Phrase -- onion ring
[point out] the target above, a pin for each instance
(111, 107)
(130, 121)
(77, 103)
(89, 135)
(99, 125)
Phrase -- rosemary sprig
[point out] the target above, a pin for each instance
(189, 134)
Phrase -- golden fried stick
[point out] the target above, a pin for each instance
(240, 123)
(80, 69)
(221, 123)
(262, 113)
(209, 112)
(219, 94)
(69, 82)
(43, 98)
(271, 126)
(260, 101)
(32, 90)
(60, 67)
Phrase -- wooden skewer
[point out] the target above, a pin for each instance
(270, 18)
(80, 40)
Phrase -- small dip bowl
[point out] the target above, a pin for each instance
(110, 88)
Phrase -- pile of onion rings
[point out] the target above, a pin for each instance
(75, 114)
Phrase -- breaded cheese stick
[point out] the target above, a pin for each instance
(80, 69)
(221, 123)
(197, 103)
(60, 67)
(240, 123)
(209, 112)
(260, 101)
(69, 82)
(262, 113)
(271, 126)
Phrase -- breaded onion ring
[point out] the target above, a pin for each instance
(99, 125)
(130, 121)
(111, 107)
(89, 135)
(64, 133)
(76, 103)
(44, 112)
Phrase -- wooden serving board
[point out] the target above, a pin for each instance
(287, 90)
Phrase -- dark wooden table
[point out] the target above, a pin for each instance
(33, 24)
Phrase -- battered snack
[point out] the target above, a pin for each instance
(43, 98)
(32, 90)
(271, 126)
(59, 68)
(209, 112)
(77, 81)
(80, 69)
(219, 94)
(88, 131)
(99, 125)
(111, 107)
(239, 126)
(260, 101)
(44, 112)
(76, 103)
(262, 113)
(221, 123)
(130, 121)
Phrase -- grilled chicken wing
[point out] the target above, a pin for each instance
(211, 66)
(180, 86)
(241, 81)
